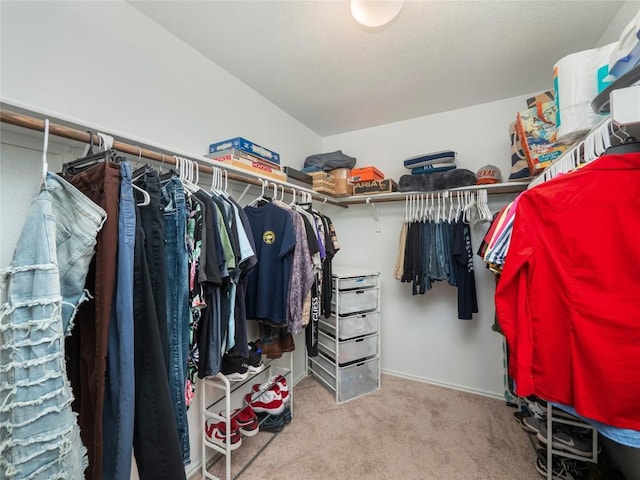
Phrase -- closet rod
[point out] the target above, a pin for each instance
(25, 121)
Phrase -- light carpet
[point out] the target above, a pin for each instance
(407, 430)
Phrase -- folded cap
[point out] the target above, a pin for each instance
(488, 174)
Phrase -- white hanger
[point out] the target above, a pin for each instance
(261, 196)
(45, 147)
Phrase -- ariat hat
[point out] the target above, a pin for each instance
(488, 174)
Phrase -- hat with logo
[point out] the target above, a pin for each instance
(488, 174)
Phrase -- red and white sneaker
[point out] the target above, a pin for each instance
(216, 433)
(246, 419)
(278, 384)
(270, 401)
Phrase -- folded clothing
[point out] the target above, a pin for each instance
(329, 161)
(458, 177)
(434, 167)
(444, 156)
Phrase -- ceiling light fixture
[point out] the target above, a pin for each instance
(375, 13)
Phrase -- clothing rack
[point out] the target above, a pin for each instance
(204, 165)
(624, 113)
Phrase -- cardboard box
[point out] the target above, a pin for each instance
(245, 156)
(375, 186)
(240, 143)
(254, 167)
(366, 174)
(343, 187)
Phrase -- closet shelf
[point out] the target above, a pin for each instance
(492, 189)
(164, 157)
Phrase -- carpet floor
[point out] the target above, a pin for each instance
(407, 430)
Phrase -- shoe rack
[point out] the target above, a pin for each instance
(219, 393)
(564, 419)
(348, 360)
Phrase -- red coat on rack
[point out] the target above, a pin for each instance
(568, 300)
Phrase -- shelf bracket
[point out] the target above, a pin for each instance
(376, 214)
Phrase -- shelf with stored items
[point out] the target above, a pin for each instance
(348, 360)
(221, 396)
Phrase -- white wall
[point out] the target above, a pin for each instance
(421, 335)
(105, 65)
(626, 12)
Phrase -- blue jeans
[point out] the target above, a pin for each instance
(39, 433)
(177, 300)
(119, 404)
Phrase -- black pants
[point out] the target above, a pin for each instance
(155, 439)
(154, 244)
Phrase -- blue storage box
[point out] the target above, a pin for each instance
(245, 145)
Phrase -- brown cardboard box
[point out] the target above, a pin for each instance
(375, 186)
(343, 188)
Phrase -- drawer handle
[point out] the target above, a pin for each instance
(359, 340)
(358, 292)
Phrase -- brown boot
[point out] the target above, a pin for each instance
(287, 343)
(271, 350)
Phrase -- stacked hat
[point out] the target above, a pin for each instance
(433, 162)
(488, 174)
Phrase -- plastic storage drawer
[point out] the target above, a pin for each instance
(355, 301)
(349, 350)
(353, 380)
(353, 326)
(353, 283)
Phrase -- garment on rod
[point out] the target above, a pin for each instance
(43, 286)
(439, 251)
(567, 299)
(88, 344)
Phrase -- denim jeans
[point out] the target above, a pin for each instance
(178, 319)
(120, 382)
(39, 434)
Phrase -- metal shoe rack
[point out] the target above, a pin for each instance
(218, 392)
(348, 362)
(551, 420)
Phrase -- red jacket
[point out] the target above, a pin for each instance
(568, 300)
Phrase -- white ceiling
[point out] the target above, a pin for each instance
(315, 62)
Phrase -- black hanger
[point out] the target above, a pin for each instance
(169, 174)
(629, 145)
(90, 159)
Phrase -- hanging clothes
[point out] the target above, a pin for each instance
(39, 434)
(567, 299)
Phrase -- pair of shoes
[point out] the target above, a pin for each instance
(216, 433)
(533, 424)
(271, 350)
(269, 397)
(275, 423)
(256, 365)
(567, 439)
(562, 468)
(246, 420)
(234, 367)
(286, 343)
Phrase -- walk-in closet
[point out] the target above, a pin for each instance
(319, 239)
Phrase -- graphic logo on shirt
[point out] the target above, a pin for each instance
(268, 237)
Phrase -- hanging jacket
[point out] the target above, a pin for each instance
(568, 299)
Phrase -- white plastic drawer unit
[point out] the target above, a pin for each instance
(354, 283)
(352, 380)
(353, 301)
(352, 326)
(349, 350)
